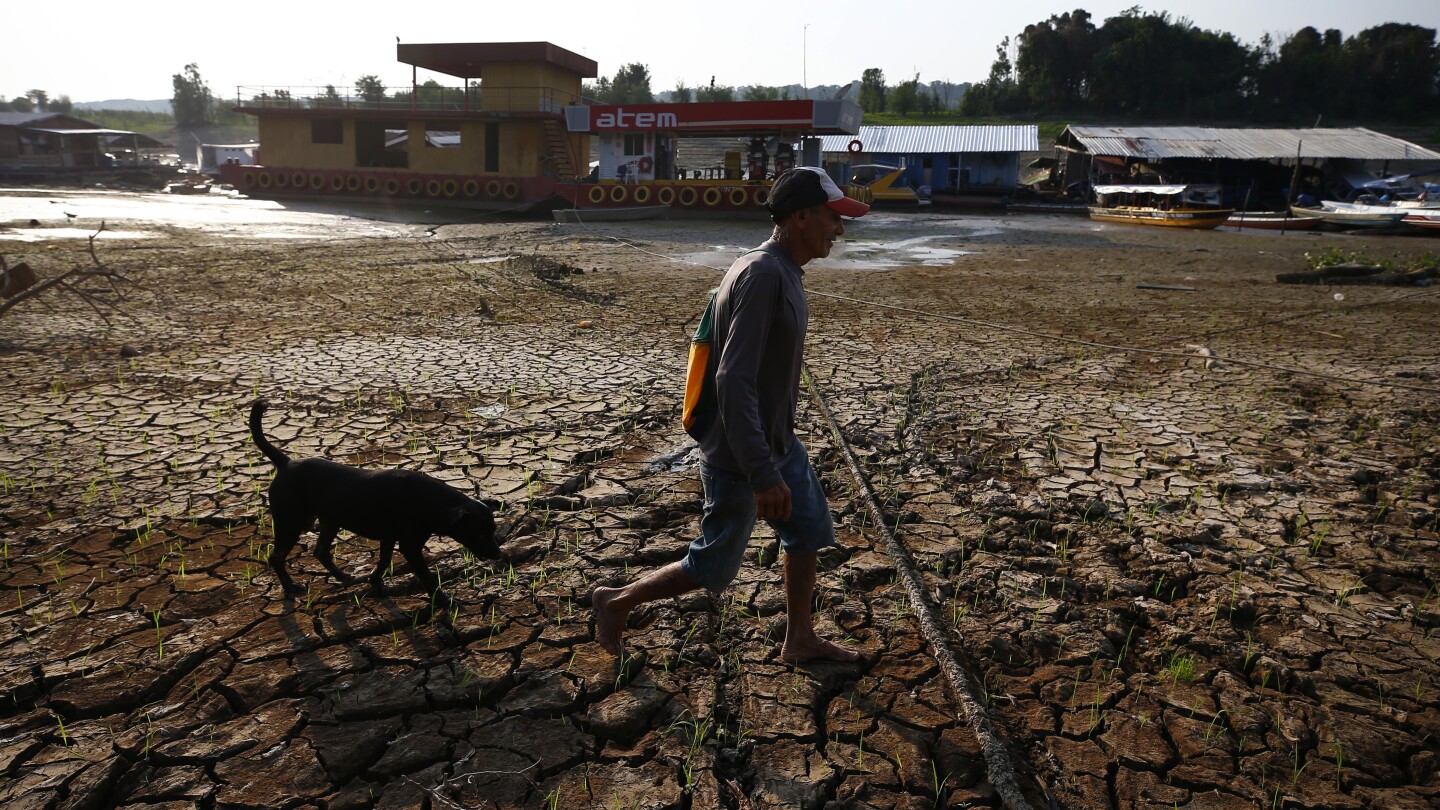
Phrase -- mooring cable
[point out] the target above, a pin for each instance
(997, 760)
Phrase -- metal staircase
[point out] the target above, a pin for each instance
(562, 161)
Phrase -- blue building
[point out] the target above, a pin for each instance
(947, 159)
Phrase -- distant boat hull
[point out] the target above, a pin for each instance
(1194, 218)
(1273, 221)
(1047, 208)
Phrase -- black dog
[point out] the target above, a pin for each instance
(388, 506)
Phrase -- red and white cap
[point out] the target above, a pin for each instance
(804, 186)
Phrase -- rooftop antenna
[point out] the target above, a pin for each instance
(804, 59)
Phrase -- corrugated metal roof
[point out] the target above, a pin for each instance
(909, 140)
(1241, 144)
(16, 119)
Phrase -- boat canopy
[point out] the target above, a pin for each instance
(1151, 189)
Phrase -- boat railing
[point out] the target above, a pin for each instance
(430, 99)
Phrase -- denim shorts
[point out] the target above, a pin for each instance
(714, 557)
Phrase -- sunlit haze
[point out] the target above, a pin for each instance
(93, 51)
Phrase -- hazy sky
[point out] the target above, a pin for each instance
(93, 51)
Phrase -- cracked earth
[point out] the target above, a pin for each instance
(1177, 582)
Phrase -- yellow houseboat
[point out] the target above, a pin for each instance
(520, 138)
(1170, 206)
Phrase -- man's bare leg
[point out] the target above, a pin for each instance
(612, 606)
(801, 642)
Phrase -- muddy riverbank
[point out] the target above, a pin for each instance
(1184, 541)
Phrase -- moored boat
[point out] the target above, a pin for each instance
(521, 146)
(886, 185)
(1169, 206)
(1353, 215)
(1273, 221)
(1426, 220)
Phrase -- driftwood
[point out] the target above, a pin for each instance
(1353, 273)
(17, 291)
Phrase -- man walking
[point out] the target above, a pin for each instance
(751, 464)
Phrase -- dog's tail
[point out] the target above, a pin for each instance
(276, 456)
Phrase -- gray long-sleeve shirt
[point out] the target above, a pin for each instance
(756, 347)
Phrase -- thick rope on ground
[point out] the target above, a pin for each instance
(997, 760)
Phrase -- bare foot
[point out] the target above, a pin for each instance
(796, 651)
(609, 623)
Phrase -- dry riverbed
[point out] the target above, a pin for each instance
(1199, 572)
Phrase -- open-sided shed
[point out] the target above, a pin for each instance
(1257, 165)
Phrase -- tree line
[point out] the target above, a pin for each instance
(36, 101)
(1148, 64)
(631, 85)
(1133, 65)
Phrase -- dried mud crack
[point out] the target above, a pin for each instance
(1173, 585)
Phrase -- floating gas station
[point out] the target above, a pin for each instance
(517, 135)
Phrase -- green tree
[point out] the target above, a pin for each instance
(760, 92)
(22, 104)
(682, 94)
(905, 97)
(430, 94)
(192, 103)
(329, 99)
(872, 90)
(631, 85)
(370, 88)
(1053, 61)
(1398, 65)
(41, 99)
(997, 94)
(715, 92)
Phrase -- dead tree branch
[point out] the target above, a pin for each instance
(70, 280)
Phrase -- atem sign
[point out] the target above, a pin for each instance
(620, 119)
(748, 116)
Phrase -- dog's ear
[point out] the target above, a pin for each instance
(455, 514)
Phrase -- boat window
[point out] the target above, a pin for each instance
(327, 130)
(437, 137)
(634, 144)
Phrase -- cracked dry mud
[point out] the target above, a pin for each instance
(1177, 586)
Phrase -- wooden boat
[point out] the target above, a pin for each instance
(1427, 220)
(1273, 221)
(626, 214)
(1353, 215)
(886, 185)
(1169, 206)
